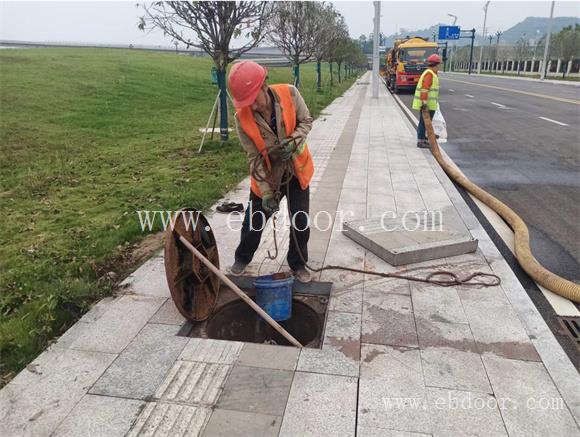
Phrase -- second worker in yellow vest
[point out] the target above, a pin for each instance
(272, 122)
(427, 94)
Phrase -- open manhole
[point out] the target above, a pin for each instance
(234, 320)
(237, 321)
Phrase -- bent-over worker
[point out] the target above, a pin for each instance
(272, 122)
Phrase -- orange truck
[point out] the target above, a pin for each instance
(406, 61)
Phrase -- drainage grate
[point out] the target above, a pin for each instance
(571, 328)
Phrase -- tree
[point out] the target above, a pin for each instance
(211, 25)
(567, 45)
(338, 51)
(521, 50)
(327, 22)
(292, 29)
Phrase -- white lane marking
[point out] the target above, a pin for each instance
(451, 90)
(469, 95)
(499, 105)
(554, 121)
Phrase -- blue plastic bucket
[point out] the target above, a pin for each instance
(275, 295)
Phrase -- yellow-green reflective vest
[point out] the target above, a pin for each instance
(433, 92)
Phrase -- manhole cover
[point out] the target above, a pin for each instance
(413, 237)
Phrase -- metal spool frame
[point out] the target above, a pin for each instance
(194, 288)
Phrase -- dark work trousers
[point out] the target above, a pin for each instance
(254, 224)
(421, 128)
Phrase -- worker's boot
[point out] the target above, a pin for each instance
(423, 144)
(302, 275)
(238, 268)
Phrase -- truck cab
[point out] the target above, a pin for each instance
(406, 61)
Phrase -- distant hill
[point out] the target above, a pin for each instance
(536, 27)
(532, 27)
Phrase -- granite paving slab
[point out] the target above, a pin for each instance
(100, 416)
(43, 394)
(139, 370)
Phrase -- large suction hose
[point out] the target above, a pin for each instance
(563, 287)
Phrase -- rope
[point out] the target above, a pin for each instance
(446, 278)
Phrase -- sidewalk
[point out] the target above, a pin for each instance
(398, 358)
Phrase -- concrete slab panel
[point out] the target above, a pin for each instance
(211, 351)
(388, 319)
(531, 404)
(170, 420)
(43, 394)
(320, 406)
(100, 416)
(225, 423)
(269, 356)
(119, 325)
(256, 390)
(413, 237)
(460, 413)
(193, 383)
(139, 370)
(453, 369)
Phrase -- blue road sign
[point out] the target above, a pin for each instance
(449, 32)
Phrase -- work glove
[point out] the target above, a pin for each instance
(288, 146)
(270, 203)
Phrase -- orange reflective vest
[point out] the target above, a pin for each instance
(302, 160)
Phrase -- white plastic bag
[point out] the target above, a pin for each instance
(439, 125)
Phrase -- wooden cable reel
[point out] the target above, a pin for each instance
(194, 288)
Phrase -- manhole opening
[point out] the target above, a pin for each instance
(571, 328)
(234, 320)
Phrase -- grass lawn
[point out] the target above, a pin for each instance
(87, 137)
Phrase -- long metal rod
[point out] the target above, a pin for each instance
(208, 122)
(240, 293)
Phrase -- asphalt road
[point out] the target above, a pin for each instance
(520, 141)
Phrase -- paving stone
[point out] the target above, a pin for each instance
(364, 431)
(532, 404)
(388, 319)
(393, 366)
(149, 279)
(211, 351)
(440, 304)
(225, 423)
(399, 406)
(142, 366)
(168, 315)
(460, 413)
(100, 416)
(346, 299)
(320, 405)
(453, 369)
(497, 329)
(269, 356)
(115, 329)
(170, 420)
(342, 325)
(193, 383)
(332, 359)
(256, 390)
(44, 393)
(98, 309)
(450, 335)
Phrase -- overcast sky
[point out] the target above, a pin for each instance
(116, 22)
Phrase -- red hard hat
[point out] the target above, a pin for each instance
(434, 59)
(245, 80)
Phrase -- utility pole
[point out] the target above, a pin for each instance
(547, 48)
(454, 43)
(376, 32)
(471, 49)
(483, 36)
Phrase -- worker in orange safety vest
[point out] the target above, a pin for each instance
(272, 122)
